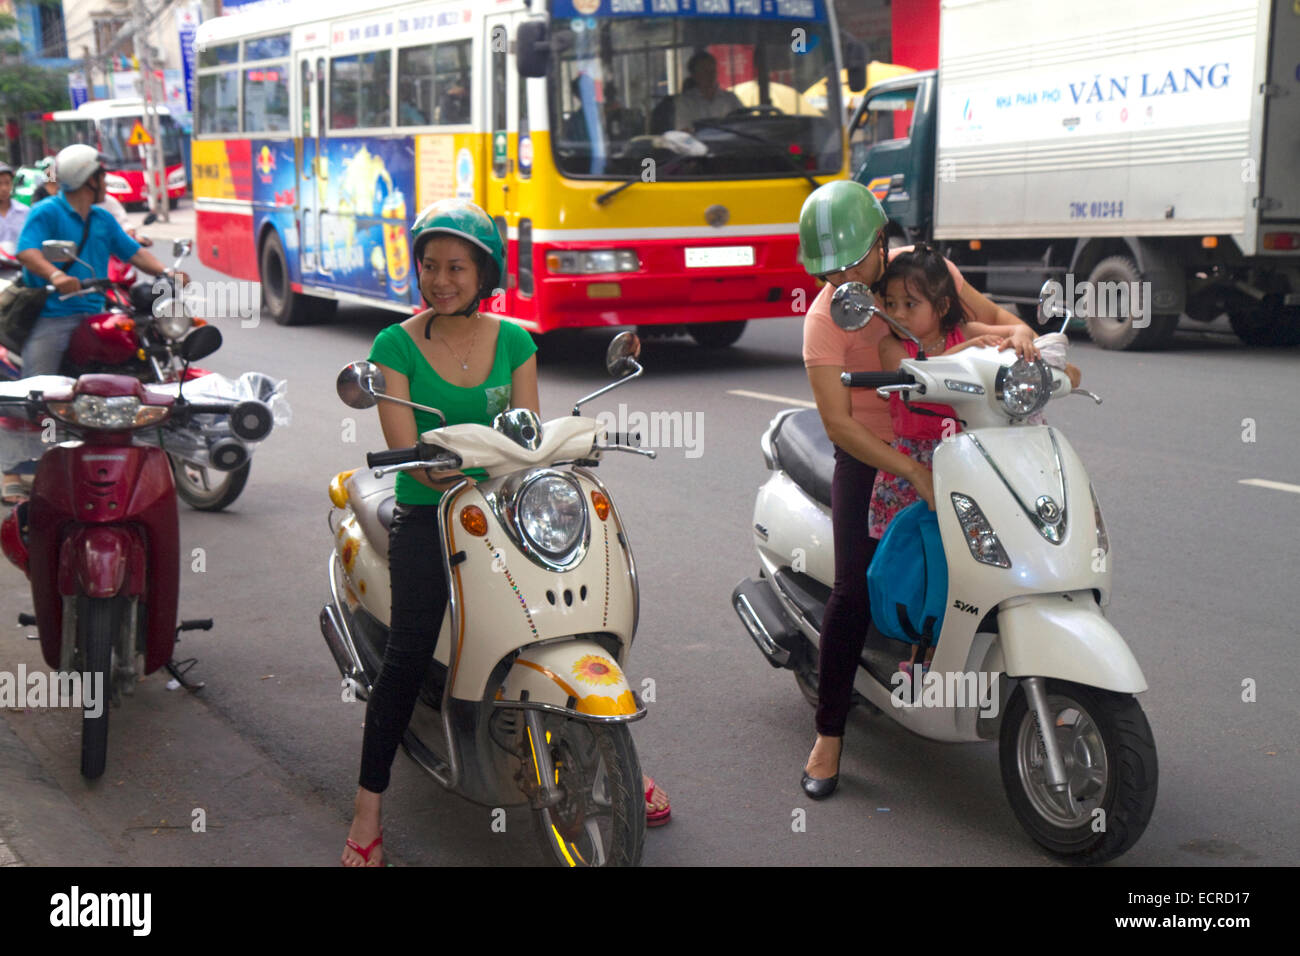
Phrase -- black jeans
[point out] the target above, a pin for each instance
(419, 603)
(848, 612)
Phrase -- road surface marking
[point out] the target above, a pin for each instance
(779, 399)
(1265, 483)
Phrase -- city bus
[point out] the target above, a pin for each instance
(320, 131)
(107, 125)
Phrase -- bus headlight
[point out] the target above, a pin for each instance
(176, 178)
(552, 516)
(592, 262)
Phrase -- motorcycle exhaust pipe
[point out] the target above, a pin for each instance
(332, 629)
(761, 613)
(227, 454)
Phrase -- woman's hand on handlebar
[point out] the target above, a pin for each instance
(442, 480)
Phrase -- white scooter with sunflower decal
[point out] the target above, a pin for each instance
(526, 701)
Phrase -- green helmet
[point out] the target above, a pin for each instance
(838, 225)
(461, 218)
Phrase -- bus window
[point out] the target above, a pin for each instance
(219, 102)
(359, 90)
(451, 73)
(266, 99)
(305, 88)
(266, 48)
(415, 86)
(220, 55)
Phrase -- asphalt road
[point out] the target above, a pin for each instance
(269, 752)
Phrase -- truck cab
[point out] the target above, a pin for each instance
(892, 150)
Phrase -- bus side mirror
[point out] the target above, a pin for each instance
(533, 48)
(855, 61)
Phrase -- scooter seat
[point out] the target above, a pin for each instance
(806, 454)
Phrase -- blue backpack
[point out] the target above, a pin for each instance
(908, 578)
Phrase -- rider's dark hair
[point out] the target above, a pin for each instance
(925, 274)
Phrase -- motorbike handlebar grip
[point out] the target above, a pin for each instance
(393, 456)
(625, 438)
(876, 379)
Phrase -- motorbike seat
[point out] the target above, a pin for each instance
(806, 454)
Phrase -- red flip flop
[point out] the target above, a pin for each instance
(657, 808)
(364, 852)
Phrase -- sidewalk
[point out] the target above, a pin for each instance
(180, 226)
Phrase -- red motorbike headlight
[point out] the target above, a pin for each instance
(111, 413)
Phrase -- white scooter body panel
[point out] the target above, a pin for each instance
(799, 530)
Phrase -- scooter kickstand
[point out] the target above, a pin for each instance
(178, 670)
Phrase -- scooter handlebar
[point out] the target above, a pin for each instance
(393, 456)
(876, 379)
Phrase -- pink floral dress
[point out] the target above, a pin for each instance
(916, 435)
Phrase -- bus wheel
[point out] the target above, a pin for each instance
(279, 301)
(716, 335)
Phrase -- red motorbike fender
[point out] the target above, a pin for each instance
(102, 562)
(11, 540)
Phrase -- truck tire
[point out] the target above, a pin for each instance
(716, 335)
(1266, 325)
(279, 301)
(1121, 331)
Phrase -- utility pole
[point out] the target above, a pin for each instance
(89, 71)
(155, 169)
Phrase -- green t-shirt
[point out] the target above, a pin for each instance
(478, 404)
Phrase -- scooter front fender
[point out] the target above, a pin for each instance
(1066, 637)
(102, 561)
(578, 677)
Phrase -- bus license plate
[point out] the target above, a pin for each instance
(710, 256)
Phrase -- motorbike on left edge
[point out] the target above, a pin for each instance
(99, 538)
(138, 335)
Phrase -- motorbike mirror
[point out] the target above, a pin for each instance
(852, 306)
(200, 343)
(59, 250)
(359, 383)
(181, 247)
(1051, 304)
(251, 421)
(624, 350)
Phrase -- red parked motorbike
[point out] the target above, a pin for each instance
(99, 538)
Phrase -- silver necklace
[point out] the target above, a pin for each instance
(464, 363)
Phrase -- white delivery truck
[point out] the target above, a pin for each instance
(1145, 154)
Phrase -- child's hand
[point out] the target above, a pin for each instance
(982, 341)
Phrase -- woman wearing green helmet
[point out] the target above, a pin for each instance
(842, 239)
(471, 366)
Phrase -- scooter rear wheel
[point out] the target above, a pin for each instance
(97, 625)
(1110, 764)
(601, 819)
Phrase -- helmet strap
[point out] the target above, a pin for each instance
(467, 312)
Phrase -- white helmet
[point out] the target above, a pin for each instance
(75, 164)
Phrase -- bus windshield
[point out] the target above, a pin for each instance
(730, 94)
(115, 132)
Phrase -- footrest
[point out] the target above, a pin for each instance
(195, 624)
(27, 620)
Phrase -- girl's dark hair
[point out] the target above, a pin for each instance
(926, 275)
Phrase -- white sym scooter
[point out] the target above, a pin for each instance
(526, 700)
(1024, 646)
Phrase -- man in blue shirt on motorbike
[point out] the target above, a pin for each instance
(73, 216)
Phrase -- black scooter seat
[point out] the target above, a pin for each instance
(806, 454)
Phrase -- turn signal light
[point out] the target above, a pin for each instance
(339, 488)
(976, 244)
(1209, 242)
(1281, 241)
(474, 520)
(601, 504)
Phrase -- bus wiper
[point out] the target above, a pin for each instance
(771, 146)
(668, 167)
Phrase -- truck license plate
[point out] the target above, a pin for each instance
(710, 256)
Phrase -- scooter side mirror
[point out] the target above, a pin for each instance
(59, 250)
(359, 383)
(1052, 304)
(181, 247)
(624, 350)
(199, 343)
(852, 306)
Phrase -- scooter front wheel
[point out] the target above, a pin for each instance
(206, 489)
(600, 820)
(1110, 766)
(97, 624)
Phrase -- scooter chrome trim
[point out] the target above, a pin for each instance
(1055, 766)
(1052, 530)
(641, 711)
(454, 603)
(347, 643)
(754, 624)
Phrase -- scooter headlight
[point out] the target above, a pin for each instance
(111, 413)
(172, 317)
(980, 536)
(552, 516)
(1023, 387)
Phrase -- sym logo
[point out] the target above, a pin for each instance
(963, 606)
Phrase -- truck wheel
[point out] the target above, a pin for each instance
(716, 335)
(279, 301)
(1112, 331)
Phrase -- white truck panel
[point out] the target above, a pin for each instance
(1107, 118)
(1281, 173)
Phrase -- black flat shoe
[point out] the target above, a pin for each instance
(819, 789)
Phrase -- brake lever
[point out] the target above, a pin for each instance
(1083, 391)
(648, 452)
